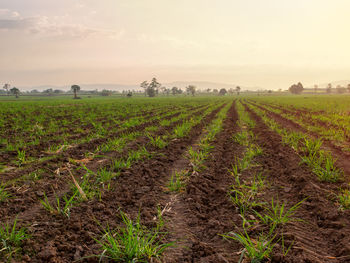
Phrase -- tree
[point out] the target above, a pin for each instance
(163, 89)
(144, 85)
(215, 90)
(75, 89)
(7, 88)
(329, 88)
(348, 87)
(191, 89)
(340, 89)
(208, 90)
(238, 89)
(151, 89)
(15, 91)
(58, 91)
(296, 88)
(106, 92)
(174, 90)
(231, 91)
(222, 92)
(315, 88)
(48, 91)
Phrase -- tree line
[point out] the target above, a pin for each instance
(15, 91)
(153, 88)
(298, 88)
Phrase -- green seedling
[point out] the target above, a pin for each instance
(133, 242)
(344, 200)
(257, 250)
(277, 214)
(11, 239)
(57, 209)
(4, 195)
(21, 157)
(177, 181)
(157, 141)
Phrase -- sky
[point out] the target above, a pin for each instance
(269, 44)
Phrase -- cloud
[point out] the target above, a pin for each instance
(54, 27)
(8, 14)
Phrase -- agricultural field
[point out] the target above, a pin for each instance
(203, 179)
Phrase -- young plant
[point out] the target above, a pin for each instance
(344, 199)
(257, 250)
(104, 176)
(278, 214)
(177, 183)
(21, 157)
(157, 141)
(182, 129)
(328, 172)
(11, 239)
(4, 195)
(197, 158)
(57, 209)
(133, 242)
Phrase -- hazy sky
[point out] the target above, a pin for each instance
(265, 43)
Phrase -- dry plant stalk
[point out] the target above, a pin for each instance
(77, 185)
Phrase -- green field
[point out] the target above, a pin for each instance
(144, 179)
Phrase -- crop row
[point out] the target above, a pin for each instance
(334, 127)
(321, 162)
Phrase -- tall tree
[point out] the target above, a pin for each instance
(75, 89)
(296, 88)
(238, 89)
(15, 91)
(153, 88)
(191, 89)
(144, 85)
(315, 88)
(7, 88)
(348, 87)
(340, 89)
(329, 88)
(174, 90)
